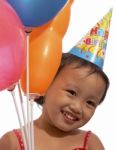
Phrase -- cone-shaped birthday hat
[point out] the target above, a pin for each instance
(92, 47)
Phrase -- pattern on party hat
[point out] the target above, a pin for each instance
(93, 46)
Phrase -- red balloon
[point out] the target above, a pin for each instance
(12, 46)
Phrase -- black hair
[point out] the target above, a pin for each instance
(68, 59)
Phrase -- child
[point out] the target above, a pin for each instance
(78, 88)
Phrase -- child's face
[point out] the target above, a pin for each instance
(72, 98)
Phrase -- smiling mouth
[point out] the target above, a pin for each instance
(69, 117)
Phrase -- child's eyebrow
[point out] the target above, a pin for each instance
(94, 98)
(72, 85)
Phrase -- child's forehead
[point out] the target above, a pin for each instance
(72, 70)
(76, 68)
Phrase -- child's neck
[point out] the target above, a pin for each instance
(52, 130)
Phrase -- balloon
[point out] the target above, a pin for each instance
(43, 63)
(61, 21)
(12, 46)
(45, 52)
(36, 12)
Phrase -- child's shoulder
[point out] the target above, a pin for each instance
(93, 141)
(90, 140)
(9, 141)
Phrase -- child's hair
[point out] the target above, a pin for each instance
(68, 59)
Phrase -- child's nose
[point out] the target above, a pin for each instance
(77, 107)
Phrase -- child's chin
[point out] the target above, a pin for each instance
(66, 128)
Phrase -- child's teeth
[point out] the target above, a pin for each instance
(69, 116)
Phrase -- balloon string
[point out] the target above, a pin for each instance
(19, 119)
(27, 93)
(32, 125)
(23, 112)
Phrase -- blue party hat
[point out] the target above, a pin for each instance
(92, 47)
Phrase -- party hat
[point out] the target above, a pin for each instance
(92, 47)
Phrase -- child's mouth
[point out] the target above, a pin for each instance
(69, 117)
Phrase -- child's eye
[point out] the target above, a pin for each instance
(91, 103)
(72, 92)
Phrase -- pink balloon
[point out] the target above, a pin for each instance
(12, 46)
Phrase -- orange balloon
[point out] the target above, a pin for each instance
(43, 62)
(45, 52)
(61, 21)
(37, 31)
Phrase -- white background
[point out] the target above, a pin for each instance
(84, 15)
